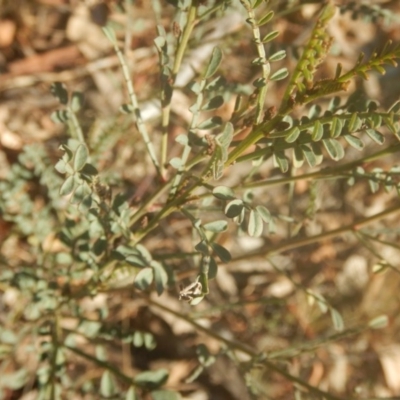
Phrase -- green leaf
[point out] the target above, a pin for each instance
(68, 186)
(216, 84)
(258, 61)
(143, 252)
(279, 75)
(375, 120)
(151, 379)
(255, 227)
(223, 193)
(321, 302)
(224, 139)
(373, 185)
(131, 394)
(213, 65)
(144, 278)
(336, 127)
(334, 149)
(292, 135)
(126, 108)
(176, 162)
(149, 341)
(205, 358)
(108, 386)
(59, 116)
(212, 268)
(182, 139)
(281, 161)
(354, 141)
(160, 42)
(266, 18)
(256, 3)
(334, 103)
(337, 320)
(213, 104)
(260, 83)
(264, 213)
(298, 157)
(270, 36)
(222, 253)
(216, 226)
(59, 91)
(80, 194)
(194, 374)
(160, 276)
(15, 380)
(309, 155)
(138, 339)
(376, 136)
(380, 322)
(318, 131)
(61, 166)
(202, 248)
(315, 111)
(316, 149)
(210, 123)
(76, 101)
(136, 260)
(395, 107)
(109, 32)
(165, 395)
(234, 208)
(355, 123)
(279, 55)
(195, 87)
(81, 156)
(390, 124)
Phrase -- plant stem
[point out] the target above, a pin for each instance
(102, 364)
(133, 100)
(239, 346)
(325, 173)
(296, 243)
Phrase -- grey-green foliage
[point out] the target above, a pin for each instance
(102, 237)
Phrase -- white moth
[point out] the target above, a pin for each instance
(191, 291)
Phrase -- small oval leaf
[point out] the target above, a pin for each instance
(58, 90)
(264, 213)
(292, 135)
(281, 161)
(337, 319)
(279, 75)
(223, 193)
(151, 379)
(279, 55)
(354, 141)
(234, 208)
(81, 156)
(76, 101)
(270, 36)
(68, 186)
(255, 227)
(376, 136)
(213, 104)
(380, 322)
(210, 123)
(176, 162)
(144, 278)
(213, 65)
(266, 18)
(182, 139)
(216, 226)
(222, 253)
